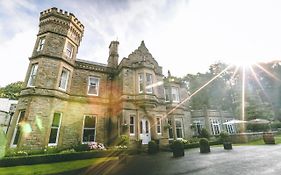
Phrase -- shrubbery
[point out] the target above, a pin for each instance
(205, 134)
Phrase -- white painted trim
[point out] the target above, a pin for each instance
(96, 119)
(16, 129)
(98, 85)
(57, 137)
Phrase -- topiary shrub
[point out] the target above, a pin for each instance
(226, 141)
(152, 147)
(204, 145)
(204, 133)
(178, 148)
(224, 137)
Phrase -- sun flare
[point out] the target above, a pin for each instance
(246, 62)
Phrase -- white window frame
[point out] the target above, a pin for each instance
(65, 80)
(58, 129)
(145, 82)
(141, 82)
(179, 127)
(230, 128)
(95, 128)
(17, 127)
(97, 85)
(148, 83)
(158, 126)
(69, 49)
(32, 75)
(132, 125)
(41, 44)
(175, 94)
(215, 125)
(167, 95)
(170, 129)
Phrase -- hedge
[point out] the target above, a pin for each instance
(51, 158)
(196, 145)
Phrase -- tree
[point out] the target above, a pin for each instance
(11, 91)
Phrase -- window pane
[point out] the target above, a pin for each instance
(89, 135)
(93, 86)
(141, 85)
(141, 128)
(175, 94)
(132, 124)
(158, 125)
(17, 135)
(41, 44)
(21, 116)
(179, 133)
(53, 135)
(32, 75)
(69, 50)
(148, 83)
(56, 120)
(146, 127)
(90, 122)
(64, 79)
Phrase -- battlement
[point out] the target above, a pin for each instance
(63, 14)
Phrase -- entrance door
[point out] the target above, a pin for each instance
(145, 131)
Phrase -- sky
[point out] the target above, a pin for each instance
(184, 36)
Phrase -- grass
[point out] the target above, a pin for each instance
(53, 167)
(260, 142)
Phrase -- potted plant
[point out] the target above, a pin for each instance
(268, 138)
(178, 148)
(204, 145)
(226, 141)
(152, 147)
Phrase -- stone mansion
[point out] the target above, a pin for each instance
(67, 101)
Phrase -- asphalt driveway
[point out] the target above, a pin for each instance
(248, 160)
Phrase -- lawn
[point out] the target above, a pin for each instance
(261, 142)
(53, 167)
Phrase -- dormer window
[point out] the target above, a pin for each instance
(41, 44)
(69, 50)
(145, 83)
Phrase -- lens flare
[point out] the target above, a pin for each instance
(38, 122)
(26, 128)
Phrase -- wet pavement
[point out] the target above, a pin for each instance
(248, 160)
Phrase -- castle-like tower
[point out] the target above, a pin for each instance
(68, 101)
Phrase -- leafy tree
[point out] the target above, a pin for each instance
(11, 91)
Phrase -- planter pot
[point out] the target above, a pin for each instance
(227, 145)
(205, 149)
(178, 153)
(268, 138)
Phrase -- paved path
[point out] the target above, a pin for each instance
(248, 160)
(242, 160)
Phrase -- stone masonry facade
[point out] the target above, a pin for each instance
(67, 101)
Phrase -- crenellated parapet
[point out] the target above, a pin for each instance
(61, 22)
(88, 65)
